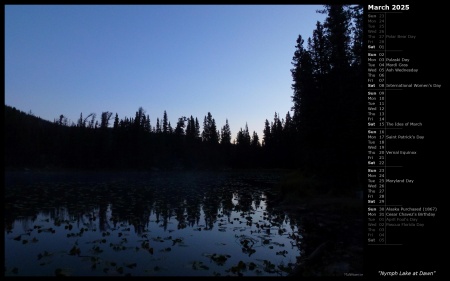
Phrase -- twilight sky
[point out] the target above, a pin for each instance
(231, 60)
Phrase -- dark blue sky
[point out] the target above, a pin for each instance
(231, 60)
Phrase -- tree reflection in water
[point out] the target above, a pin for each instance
(161, 213)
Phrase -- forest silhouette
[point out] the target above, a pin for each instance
(324, 136)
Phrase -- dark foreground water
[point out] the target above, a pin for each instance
(147, 224)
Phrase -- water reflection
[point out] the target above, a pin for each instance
(183, 224)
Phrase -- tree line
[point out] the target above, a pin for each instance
(127, 143)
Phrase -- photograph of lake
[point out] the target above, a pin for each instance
(184, 140)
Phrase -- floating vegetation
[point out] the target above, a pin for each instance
(44, 255)
(198, 265)
(94, 262)
(80, 227)
(165, 250)
(286, 269)
(158, 239)
(131, 265)
(119, 269)
(79, 234)
(219, 259)
(269, 267)
(177, 240)
(50, 229)
(75, 251)
(282, 253)
(62, 272)
(251, 266)
(117, 246)
(238, 269)
(97, 250)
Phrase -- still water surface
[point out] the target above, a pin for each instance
(147, 224)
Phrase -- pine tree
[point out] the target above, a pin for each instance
(267, 135)
(197, 128)
(357, 35)
(179, 129)
(147, 125)
(327, 99)
(190, 127)
(209, 133)
(243, 137)
(225, 134)
(116, 121)
(247, 135)
(288, 123)
(337, 30)
(255, 140)
(143, 122)
(276, 130)
(304, 85)
(158, 126)
(165, 127)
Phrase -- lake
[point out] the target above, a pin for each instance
(159, 223)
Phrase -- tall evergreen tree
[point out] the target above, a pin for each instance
(276, 130)
(255, 140)
(337, 30)
(357, 16)
(139, 118)
(165, 125)
(288, 123)
(190, 127)
(328, 94)
(225, 134)
(243, 137)
(179, 129)
(209, 133)
(320, 53)
(158, 126)
(197, 128)
(267, 135)
(143, 122)
(303, 86)
(147, 124)
(116, 121)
